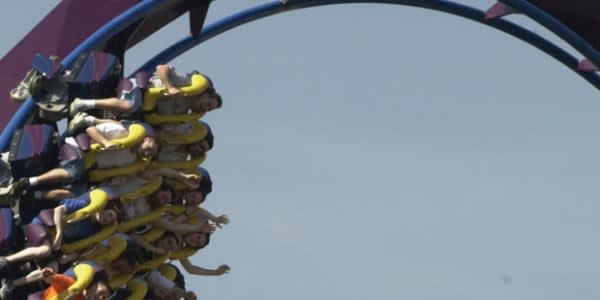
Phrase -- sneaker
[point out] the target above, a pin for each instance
(6, 196)
(20, 186)
(79, 121)
(3, 264)
(75, 107)
(7, 289)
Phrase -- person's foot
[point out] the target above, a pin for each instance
(7, 289)
(3, 263)
(20, 186)
(6, 196)
(76, 106)
(80, 120)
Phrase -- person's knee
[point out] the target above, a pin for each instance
(44, 251)
(74, 169)
(162, 69)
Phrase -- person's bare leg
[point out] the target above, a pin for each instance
(53, 176)
(115, 105)
(30, 253)
(163, 72)
(35, 275)
(54, 195)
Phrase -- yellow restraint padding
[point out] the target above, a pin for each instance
(198, 85)
(176, 210)
(98, 199)
(179, 186)
(116, 245)
(84, 274)
(119, 281)
(136, 134)
(143, 191)
(138, 289)
(183, 253)
(168, 271)
(153, 234)
(187, 251)
(153, 263)
(197, 133)
(141, 220)
(156, 232)
(90, 241)
(98, 175)
(179, 165)
(156, 119)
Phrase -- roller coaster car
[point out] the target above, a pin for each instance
(91, 240)
(136, 134)
(142, 191)
(84, 275)
(108, 250)
(190, 165)
(136, 289)
(199, 84)
(129, 225)
(98, 200)
(197, 132)
(94, 75)
(33, 150)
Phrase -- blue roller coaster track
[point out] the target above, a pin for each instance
(268, 9)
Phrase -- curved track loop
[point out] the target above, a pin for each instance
(119, 23)
(460, 10)
(272, 8)
(558, 28)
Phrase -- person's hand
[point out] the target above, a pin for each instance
(191, 184)
(222, 220)
(222, 269)
(192, 177)
(208, 228)
(172, 91)
(47, 272)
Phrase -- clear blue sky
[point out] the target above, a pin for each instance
(387, 152)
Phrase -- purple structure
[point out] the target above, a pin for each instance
(72, 21)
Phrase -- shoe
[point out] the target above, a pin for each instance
(20, 186)
(79, 121)
(3, 264)
(7, 198)
(75, 107)
(7, 289)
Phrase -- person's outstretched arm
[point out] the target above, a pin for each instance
(195, 270)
